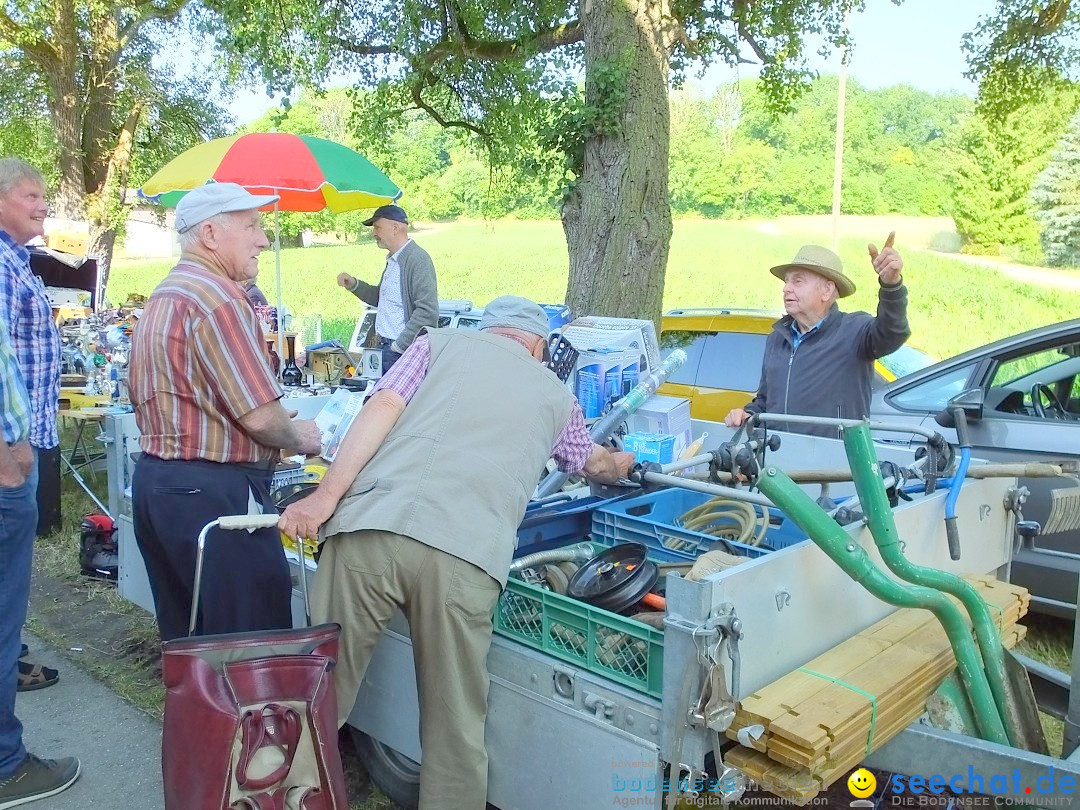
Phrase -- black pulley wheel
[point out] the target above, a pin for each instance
(616, 579)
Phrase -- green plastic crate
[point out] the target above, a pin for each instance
(606, 643)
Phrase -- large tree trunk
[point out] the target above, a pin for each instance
(617, 218)
(64, 108)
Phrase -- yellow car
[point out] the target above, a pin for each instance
(724, 348)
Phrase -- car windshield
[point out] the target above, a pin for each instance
(905, 360)
(725, 360)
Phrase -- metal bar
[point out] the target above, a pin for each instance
(709, 489)
(929, 751)
(86, 487)
(844, 423)
(683, 463)
(1051, 686)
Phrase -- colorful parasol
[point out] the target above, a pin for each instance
(309, 173)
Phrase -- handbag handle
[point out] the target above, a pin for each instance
(273, 725)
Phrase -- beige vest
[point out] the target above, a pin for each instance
(460, 465)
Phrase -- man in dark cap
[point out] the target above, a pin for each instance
(406, 296)
(421, 509)
(818, 360)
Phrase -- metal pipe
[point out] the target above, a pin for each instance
(579, 552)
(710, 489)
(879, 519)
(606, 424)
(856, 563)
(683, 463)
(844, 423)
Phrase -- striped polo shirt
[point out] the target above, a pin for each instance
(198, 364)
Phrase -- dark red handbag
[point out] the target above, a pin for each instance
(251, 722)
(251, 718)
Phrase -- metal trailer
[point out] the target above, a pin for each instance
(559, 735)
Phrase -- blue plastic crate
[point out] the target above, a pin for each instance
(652, 518)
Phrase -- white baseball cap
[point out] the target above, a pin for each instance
(216, 198)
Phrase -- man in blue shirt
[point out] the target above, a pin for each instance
(23, 776)
(30, 329)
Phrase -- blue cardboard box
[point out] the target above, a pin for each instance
(658, 447)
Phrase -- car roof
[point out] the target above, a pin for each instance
(720, 319)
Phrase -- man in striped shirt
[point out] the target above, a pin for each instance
(211, 425)
(23, 777)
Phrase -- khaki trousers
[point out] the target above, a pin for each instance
(363, 576)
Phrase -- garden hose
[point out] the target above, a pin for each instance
(726, 519)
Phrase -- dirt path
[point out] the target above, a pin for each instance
(1042, 276)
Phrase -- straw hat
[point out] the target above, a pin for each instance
(818, 260)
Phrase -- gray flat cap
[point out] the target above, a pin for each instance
(514, 312)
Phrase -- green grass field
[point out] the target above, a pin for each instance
(954, 306)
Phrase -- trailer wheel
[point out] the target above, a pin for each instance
(392, 772)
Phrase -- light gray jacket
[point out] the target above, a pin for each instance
(419, 292)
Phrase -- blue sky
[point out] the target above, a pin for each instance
(916, 43)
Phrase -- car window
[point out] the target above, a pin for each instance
(467, 322)
(906, 360)
(933, 394)
(1036, 367)
(444, 321)
(690, 342)
(728, 360)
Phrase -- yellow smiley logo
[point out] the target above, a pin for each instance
(861, 783)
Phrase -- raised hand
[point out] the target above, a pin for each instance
(346, 281)
(887, 264)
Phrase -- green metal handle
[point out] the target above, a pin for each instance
(856, 563)
(864, 467)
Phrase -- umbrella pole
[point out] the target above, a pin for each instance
(277, 281)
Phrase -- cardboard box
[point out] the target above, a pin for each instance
(662, 414)
(593, 332)
(599, 378)
(658, 447)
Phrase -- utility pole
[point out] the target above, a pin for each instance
(838, 152)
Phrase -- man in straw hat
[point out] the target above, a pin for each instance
(818, 360)
(421, 508)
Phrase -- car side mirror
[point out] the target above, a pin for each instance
(970, 401)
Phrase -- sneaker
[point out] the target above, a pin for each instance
(38, 779)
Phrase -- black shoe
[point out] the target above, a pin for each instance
(24, 651)
(38, 779)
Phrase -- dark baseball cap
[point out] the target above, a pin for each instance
(394, 212)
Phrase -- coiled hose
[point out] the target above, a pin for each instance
(723, 518)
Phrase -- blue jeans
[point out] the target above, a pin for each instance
(389, 356)
(18, 521)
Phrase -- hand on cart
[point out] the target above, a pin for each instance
(302, 519)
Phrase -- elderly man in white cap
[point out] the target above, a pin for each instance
(818, 360)
(421, 510)
(212, 428)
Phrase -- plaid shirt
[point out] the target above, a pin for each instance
(34, 338)
(14, 404)
(571, 450)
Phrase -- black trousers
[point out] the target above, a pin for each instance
(245, 581)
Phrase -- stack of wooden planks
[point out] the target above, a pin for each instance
(820, 722)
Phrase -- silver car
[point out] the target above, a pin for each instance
(1030, 387)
